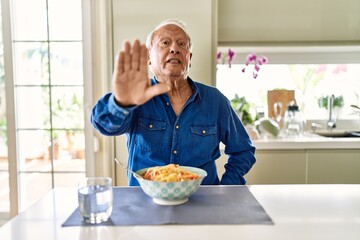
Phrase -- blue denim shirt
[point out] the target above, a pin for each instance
(157, 137)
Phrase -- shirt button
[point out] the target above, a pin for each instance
(175, 152)
(203, 131)
(167, 104)
(177, 126)
(150, 126)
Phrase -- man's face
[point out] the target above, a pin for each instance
(170, 54)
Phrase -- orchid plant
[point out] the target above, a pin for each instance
(257, 61)
(251, 58)
(230, 57)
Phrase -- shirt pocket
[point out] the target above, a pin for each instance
(150, 134)
(203, 139)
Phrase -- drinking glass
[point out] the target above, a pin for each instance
(95, 197)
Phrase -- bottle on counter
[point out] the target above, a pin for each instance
(293, 123)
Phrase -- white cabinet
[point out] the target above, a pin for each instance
(284, 21)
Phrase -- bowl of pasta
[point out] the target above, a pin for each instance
(171, 184)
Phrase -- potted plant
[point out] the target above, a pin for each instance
(245, 110)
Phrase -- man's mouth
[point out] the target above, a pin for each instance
(173, 60)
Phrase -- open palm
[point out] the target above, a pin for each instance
(131, 84)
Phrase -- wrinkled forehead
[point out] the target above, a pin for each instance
(170, 30)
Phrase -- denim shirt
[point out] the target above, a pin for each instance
(157, 137)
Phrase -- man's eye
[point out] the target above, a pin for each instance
(165, 43)
(183, 44)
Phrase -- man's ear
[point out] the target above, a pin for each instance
(190, 59)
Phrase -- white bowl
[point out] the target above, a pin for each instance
(171, 193)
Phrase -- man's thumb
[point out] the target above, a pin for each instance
(157, 89)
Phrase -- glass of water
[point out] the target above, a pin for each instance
(95, 197)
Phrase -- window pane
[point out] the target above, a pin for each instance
(65, 153)
(66, 63)
(32, 187)
(4, 164)
(67, 107)
(3, 131)
(34, 150)
(65, 28)
(33, 110)
(4, 186)
(29, 20)
(31, 63)
(69, 150)
(67, 179)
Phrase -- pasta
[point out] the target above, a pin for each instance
(169, 173)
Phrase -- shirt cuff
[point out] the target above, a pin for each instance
(118, 111)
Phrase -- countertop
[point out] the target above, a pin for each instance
(298, 211)
(307, 141)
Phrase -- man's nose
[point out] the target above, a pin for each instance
(174, 49)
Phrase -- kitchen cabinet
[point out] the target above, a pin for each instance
(333, 166)
(278, 167)
(299, 166)
(274, 167)
(288, 22)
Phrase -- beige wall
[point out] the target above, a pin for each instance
(136, 18)
(244, 22)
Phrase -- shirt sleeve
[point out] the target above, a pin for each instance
(109, 118)
(238, 148)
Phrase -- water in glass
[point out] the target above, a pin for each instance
(95, 199)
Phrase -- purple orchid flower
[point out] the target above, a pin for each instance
(250, 58)
(218, 55)
(231, 57)
(257, 61)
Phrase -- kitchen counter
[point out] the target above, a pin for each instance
(298, 212)
(307, 141)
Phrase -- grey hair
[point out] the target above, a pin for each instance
(176, 22)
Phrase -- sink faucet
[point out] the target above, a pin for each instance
(331, 124)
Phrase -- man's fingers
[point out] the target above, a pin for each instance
(127, 56)
(144, 59)
(135, 59)
(119, 62)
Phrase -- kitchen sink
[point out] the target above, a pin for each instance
(337, 133)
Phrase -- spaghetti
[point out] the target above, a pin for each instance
(169, 173)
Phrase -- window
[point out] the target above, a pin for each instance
(49, 96)
(313, 79)
(4, 166)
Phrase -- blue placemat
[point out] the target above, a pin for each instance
(209, 205)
